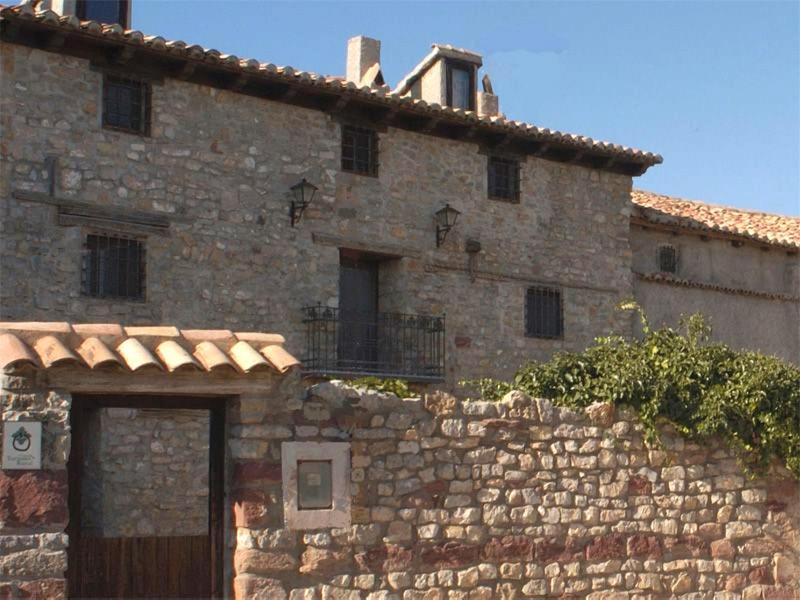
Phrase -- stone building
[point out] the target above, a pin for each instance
(740, 268)
(414, 232)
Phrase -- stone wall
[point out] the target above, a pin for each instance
(146, 473)
(33, 504)
(750, 294)
(219, 165)
(512, 499)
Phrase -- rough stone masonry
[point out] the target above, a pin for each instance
(514, 499)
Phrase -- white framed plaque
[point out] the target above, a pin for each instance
(22, 445)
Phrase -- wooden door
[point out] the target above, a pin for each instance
(358, 311)
(153, 566)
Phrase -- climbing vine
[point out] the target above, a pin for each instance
(705, 389)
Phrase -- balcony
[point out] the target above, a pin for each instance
(389, 345)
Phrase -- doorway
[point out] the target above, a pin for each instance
(146, 484)
(358, 310)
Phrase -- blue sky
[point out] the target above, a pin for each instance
(712, 86)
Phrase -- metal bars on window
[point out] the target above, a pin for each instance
(384, 345)
(126, 104)
(667, 259)
(359, 150)
(113, 267)
(503, 178)
(544, 313)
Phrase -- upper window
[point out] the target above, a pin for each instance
(103, 11)
(667, 259)
(460, 85)
(359, 150)
(503, 179)
(113, 267)
(126, 104)
(544, 316)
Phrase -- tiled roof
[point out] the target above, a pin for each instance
(669, 279)
(97, 346)
(762, 227)
(213, 58)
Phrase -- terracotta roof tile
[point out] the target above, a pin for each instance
(762, 227)
(178, 48)
(95, 346)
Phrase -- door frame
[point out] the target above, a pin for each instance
(216, 405)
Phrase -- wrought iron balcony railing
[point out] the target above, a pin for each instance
(343, 343)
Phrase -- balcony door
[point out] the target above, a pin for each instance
(358, 311)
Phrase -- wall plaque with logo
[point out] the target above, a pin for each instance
(22, 445)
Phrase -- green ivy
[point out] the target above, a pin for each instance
(705, 389)
(395, 386)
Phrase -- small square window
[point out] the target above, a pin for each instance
(126, 104)
(103, 11)
(544, 316)
(113, 267)
(667, 259)
(314, 485)
(359, 150)
(503, 179)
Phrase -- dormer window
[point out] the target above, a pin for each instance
(460, 85)
(103, 11)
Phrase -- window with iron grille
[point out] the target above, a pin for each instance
(544, 315)
(126, 104)
(503, 179)
(113, 267)
(359, 150)
(667, 259)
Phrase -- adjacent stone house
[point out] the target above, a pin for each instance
(739, 268)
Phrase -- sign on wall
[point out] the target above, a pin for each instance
(22, 445)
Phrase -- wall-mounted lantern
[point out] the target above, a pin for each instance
(446, 218)
(303, 193)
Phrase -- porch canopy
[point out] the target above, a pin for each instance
(155, 350)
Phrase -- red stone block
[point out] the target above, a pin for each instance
(734, 583)
(607, 547)
(385, 558)
(33, 498)
(722, 549)
(256, 471)
(463, 341)
(779, 593)
(760, 575)
(548, 550)
(44, 589)
(639, 486)
(644, 546)
(450, 554)
(251, 509)
(509, 548)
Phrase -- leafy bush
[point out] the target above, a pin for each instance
(395, 386)
(704, 389)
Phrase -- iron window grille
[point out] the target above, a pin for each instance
(359, 150)
(126, 104)
(103, 11)
(667, 259)
(383, 344)
(113, 267)
(503, 179)
(544, 313)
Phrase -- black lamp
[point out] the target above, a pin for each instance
(445, 217)
(303, 195)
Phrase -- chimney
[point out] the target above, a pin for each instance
(103, 11)
(488, 102)
(364, 61)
